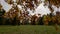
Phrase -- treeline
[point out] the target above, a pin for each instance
(48, 19)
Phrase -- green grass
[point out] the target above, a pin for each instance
(28, 29)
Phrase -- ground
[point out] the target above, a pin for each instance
(28, 29)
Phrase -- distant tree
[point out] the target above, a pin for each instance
(55, 3)
(31, 4)
(2, 12)
(25, 4)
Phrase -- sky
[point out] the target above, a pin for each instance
(42, 10)
(5, 5)
(39, 10)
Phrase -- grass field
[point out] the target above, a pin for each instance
(28, 29)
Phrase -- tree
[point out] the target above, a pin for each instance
(2, 12)
(25, 4)
(55, 3)
(31, 4)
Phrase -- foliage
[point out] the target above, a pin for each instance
(13, 17)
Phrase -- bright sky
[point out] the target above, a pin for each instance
(5, 5)
(40, 9)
